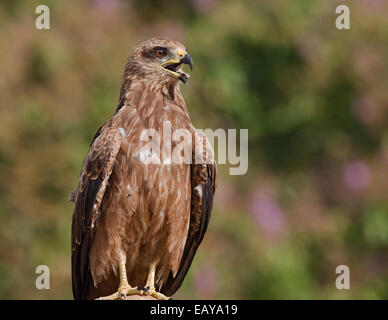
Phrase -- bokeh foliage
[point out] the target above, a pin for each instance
(313, 98)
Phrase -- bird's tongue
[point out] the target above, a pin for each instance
(184, 77)
(176, 67)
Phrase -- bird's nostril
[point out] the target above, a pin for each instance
(181, 53)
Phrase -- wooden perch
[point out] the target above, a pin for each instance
(138, 297)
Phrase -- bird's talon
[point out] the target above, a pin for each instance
(157, 295)
(143, 290)
(123, 293)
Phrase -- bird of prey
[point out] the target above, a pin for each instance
(137, 224)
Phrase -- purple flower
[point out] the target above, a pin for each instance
(267, 213)
(205, 281)
(357, 175)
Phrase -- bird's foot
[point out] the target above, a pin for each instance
(153, 293)
(123, 292)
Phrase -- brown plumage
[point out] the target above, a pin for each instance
(145, 215)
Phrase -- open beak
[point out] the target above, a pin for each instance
(174, 66)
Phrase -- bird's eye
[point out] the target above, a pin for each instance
(160, 52)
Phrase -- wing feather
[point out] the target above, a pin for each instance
(88, 196)
(203, 185)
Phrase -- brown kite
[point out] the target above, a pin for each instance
(137, 224)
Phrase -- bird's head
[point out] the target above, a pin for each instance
(160, 59)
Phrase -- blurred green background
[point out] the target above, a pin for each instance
(314, 100)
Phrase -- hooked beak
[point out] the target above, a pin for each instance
(187, 60)
(174, 66)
